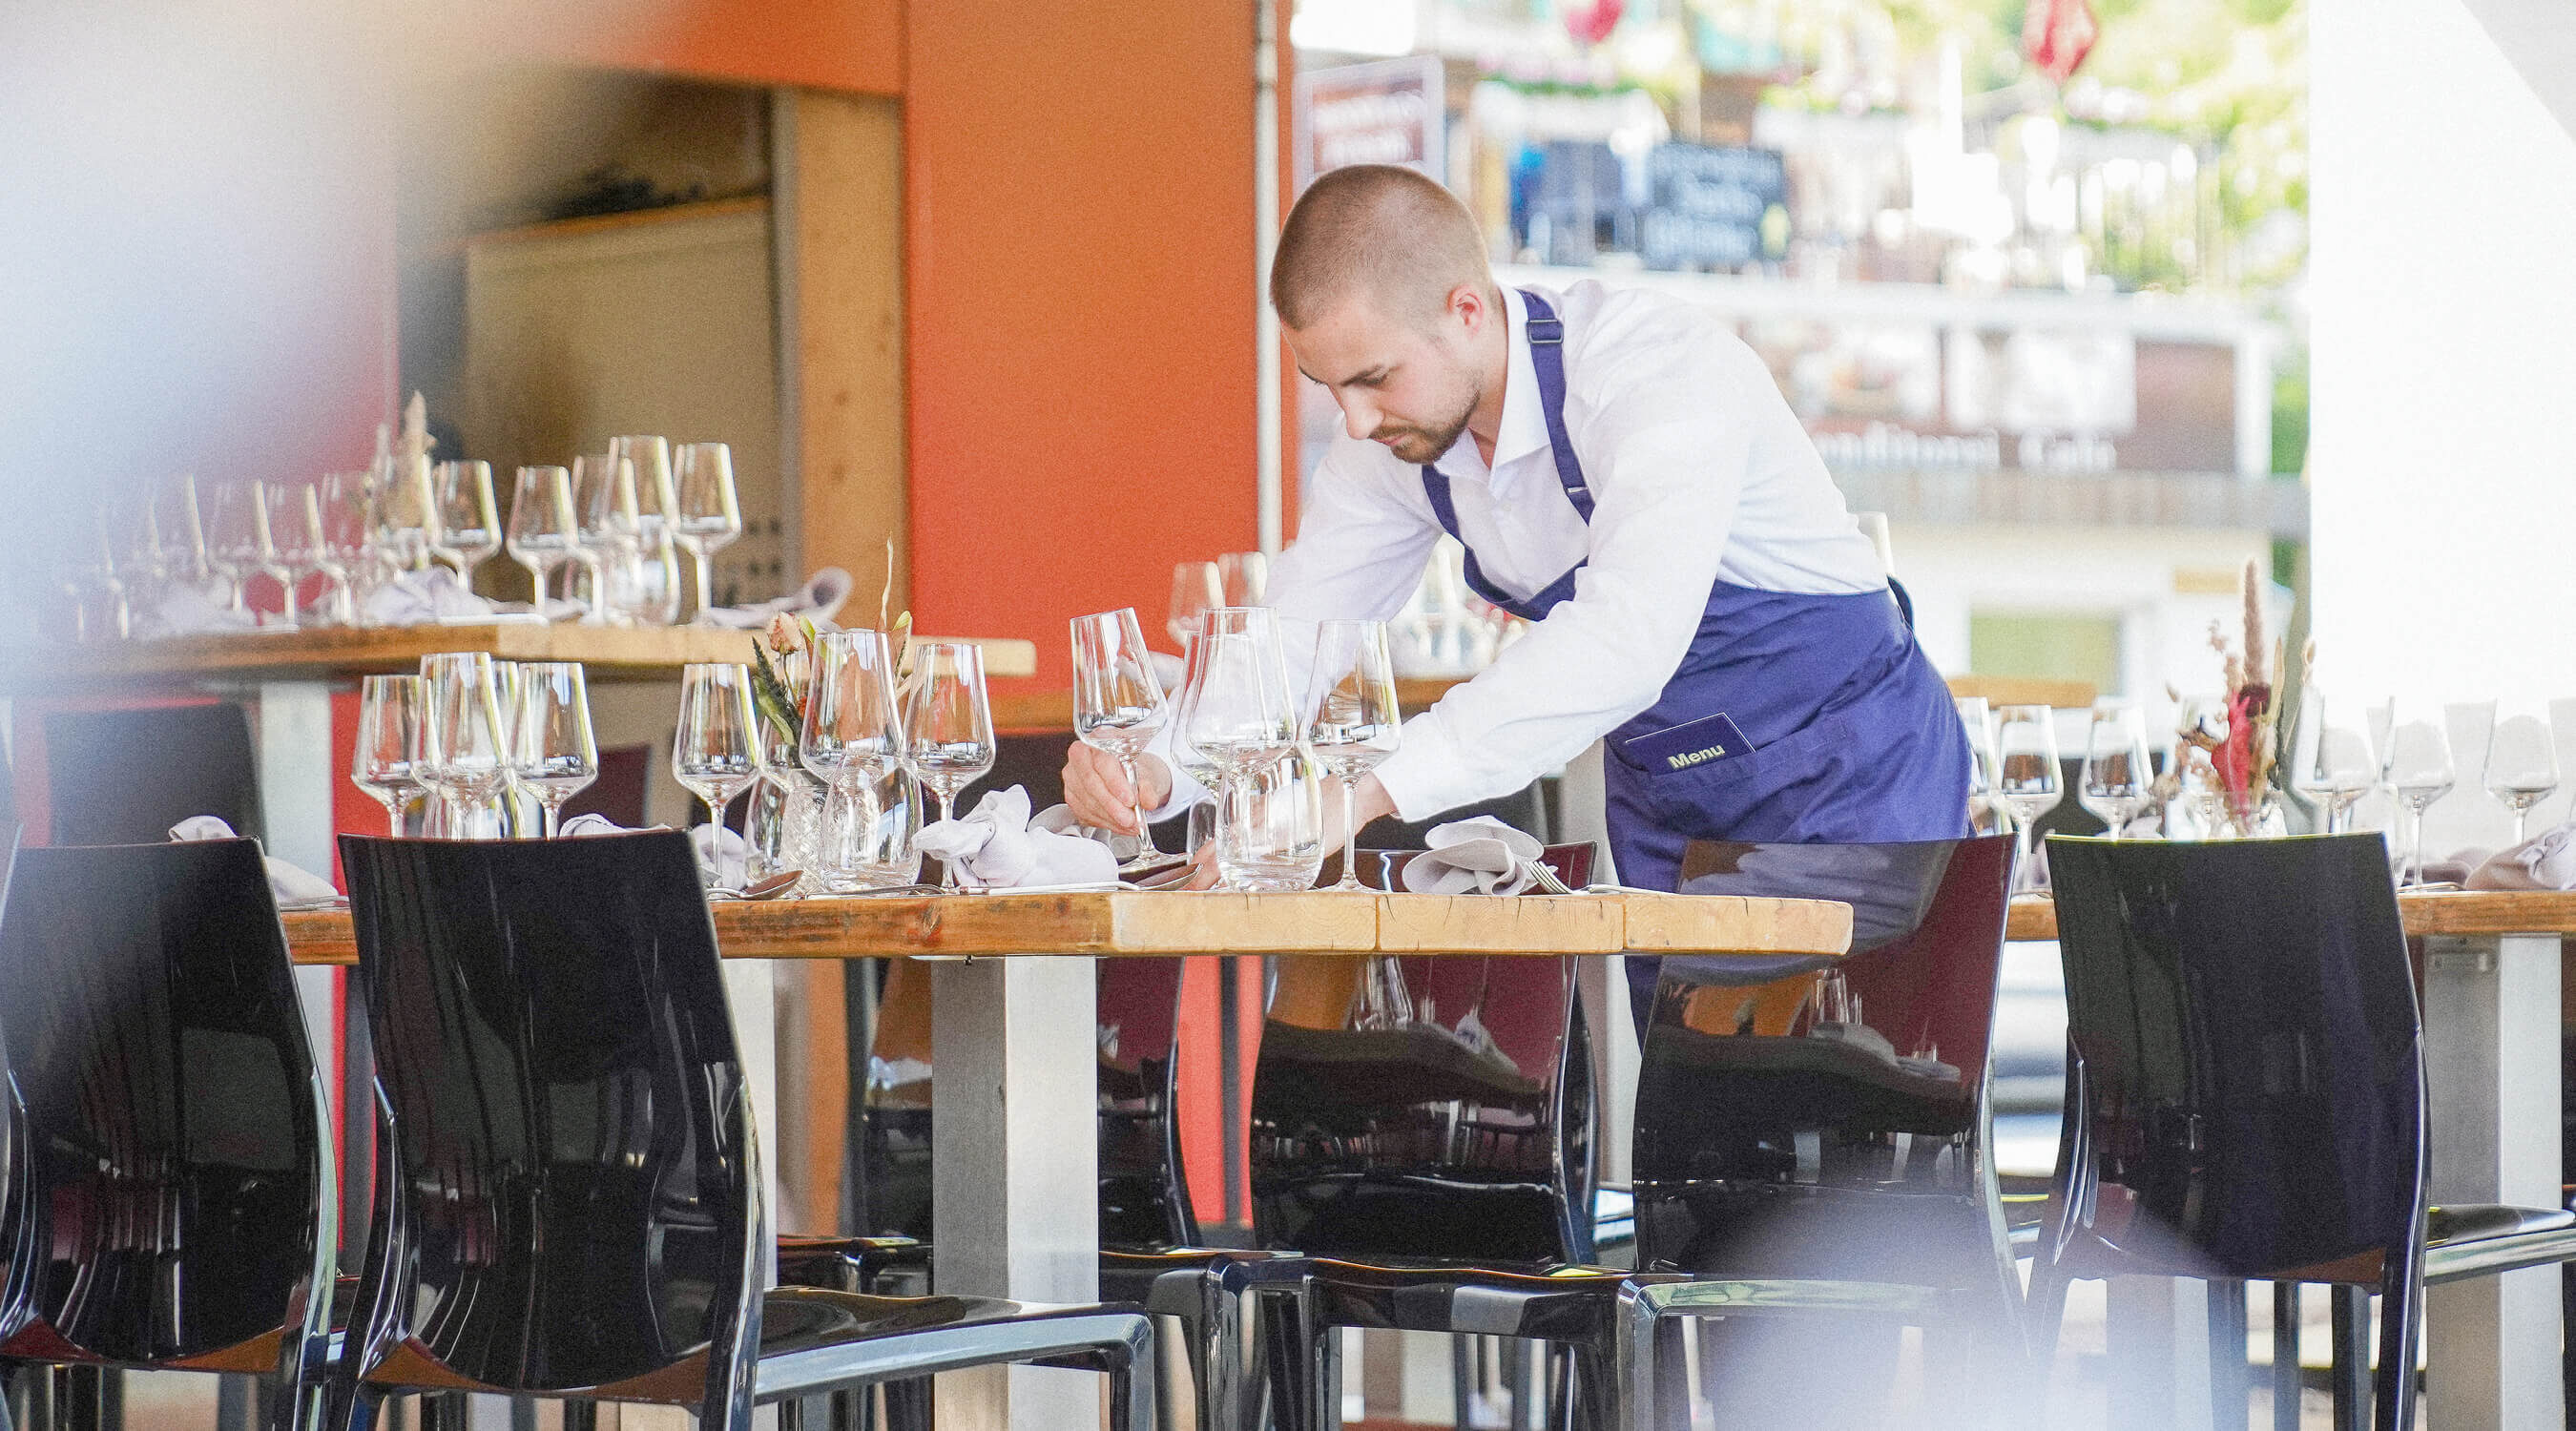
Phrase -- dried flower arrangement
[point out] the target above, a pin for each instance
(782, 661)
(2241, 757)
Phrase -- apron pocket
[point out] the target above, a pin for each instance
(1726, 799)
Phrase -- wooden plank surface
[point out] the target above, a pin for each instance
(2435, 912)
(610, 653)
(1218, 922)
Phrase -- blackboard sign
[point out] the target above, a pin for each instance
(1707, 205)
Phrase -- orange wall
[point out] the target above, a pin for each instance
(824, 44)
(1080, 288)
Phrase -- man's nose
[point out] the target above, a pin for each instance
(1360, 416)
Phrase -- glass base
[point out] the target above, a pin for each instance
(1270, 878)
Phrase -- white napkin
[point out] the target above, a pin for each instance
(425, 598)
(995, 846)
(715, 845)
(185, 611)
(2545, 861)
(289, 885)
(1478, 856)
(819, 599)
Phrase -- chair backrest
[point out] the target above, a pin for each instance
(1425, 1106)
(566, 1174)
(124, 777)
(170, 1198)
(2247, 1068)
(1831, 1124)
(1144, 1190)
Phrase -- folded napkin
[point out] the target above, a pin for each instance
(1478, 856)
(425, 598)
(2545, 861)
(997, 846)
(186, 611)
(715, 845)
(819, 599)
(289, 885)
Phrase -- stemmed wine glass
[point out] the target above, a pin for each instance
(1240, 719)
(464, 747)
(304, 546)
(1356, 723)
(1117, 703)
(2330, 760)
(1243, 578)
(469, 526)
(389, 718)
(544, 533)
(2417, 766)
(552, 748)
(1188, 761)
(2521, 767)
(1978, 722)
(716, 751)
(238, 538)
(947, 725)
(348, 503)
(706, 518)
(1195, 587)
(607, 544)
(2118, 781)
(407, 508)
(851, 740)
(2026, 779)
(653, 596)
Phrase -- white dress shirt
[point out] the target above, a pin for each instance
(1699, 473)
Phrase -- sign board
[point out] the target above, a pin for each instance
(1383, 112)
(1707, 205)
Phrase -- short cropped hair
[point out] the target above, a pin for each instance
(1379, 231)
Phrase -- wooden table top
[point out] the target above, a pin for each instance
(1217, 922)
(2482, 911)
(610, 653)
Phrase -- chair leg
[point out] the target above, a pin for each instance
(2351, 1377)
(907, 1404)
(2401, 1312)
(1516, 1376)
(1327, 1387)
(583, 1416)
(1587, 1388)
(2285, 1356)
(2046, 1313)
(2567, 1340)
(1461, 1381)
(2229, 1374)
(1216, 1360)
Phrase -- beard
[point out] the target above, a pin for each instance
(1417, 444)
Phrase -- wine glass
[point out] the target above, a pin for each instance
(464, 746)
(183, 534)
(947, 723)
(389, 715)
(1356, 723)
(1195, 587)
(348, 504)
(552, 748)
(654, 595)
(851, 740)
(2416, 766)
(238, 541)
(715, 752)
(2026, 778)
(607, 545)
(1978, 721)
(2522, 760)
(706, 518)
(469, 526)
(2118, 781)
(1117, 703)
(1187, 760)
(407, 509)
(544, 532)
(2330, 760)
(1243, 578)
(1240, 717)
(295, 527)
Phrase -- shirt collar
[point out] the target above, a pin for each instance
(1524, 426)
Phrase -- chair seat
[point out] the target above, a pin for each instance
(813, 1340)
(2476, 1222)
(847, 1264)
(1548, 1302)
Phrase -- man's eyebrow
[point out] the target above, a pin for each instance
(1376, 370)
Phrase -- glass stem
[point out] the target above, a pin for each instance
(1350, 842)
(706, 589)
(947, 867)
(2022, 876)
(2415, 868)
(553, 817)
(2521, 823)
(1136, 807)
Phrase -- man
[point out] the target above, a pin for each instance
(1624, 474)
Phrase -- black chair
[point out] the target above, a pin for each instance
(1813, 1158)
(2246, 1094)
(568, 1195)
(97, 793)
(1422, 1137)
(1148, 1231)
(169, 1201)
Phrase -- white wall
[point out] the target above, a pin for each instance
(2443, 328)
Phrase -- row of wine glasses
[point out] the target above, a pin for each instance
(470, 730)
(860, 725)
(1234, 579)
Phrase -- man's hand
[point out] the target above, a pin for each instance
(1096, 788)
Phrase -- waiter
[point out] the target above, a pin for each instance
(1625, 475)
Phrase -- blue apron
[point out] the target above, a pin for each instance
(1849, 734)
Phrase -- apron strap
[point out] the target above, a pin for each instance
(1435, 485)
(1547, 358)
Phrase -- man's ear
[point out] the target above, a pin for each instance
(1468, 308)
